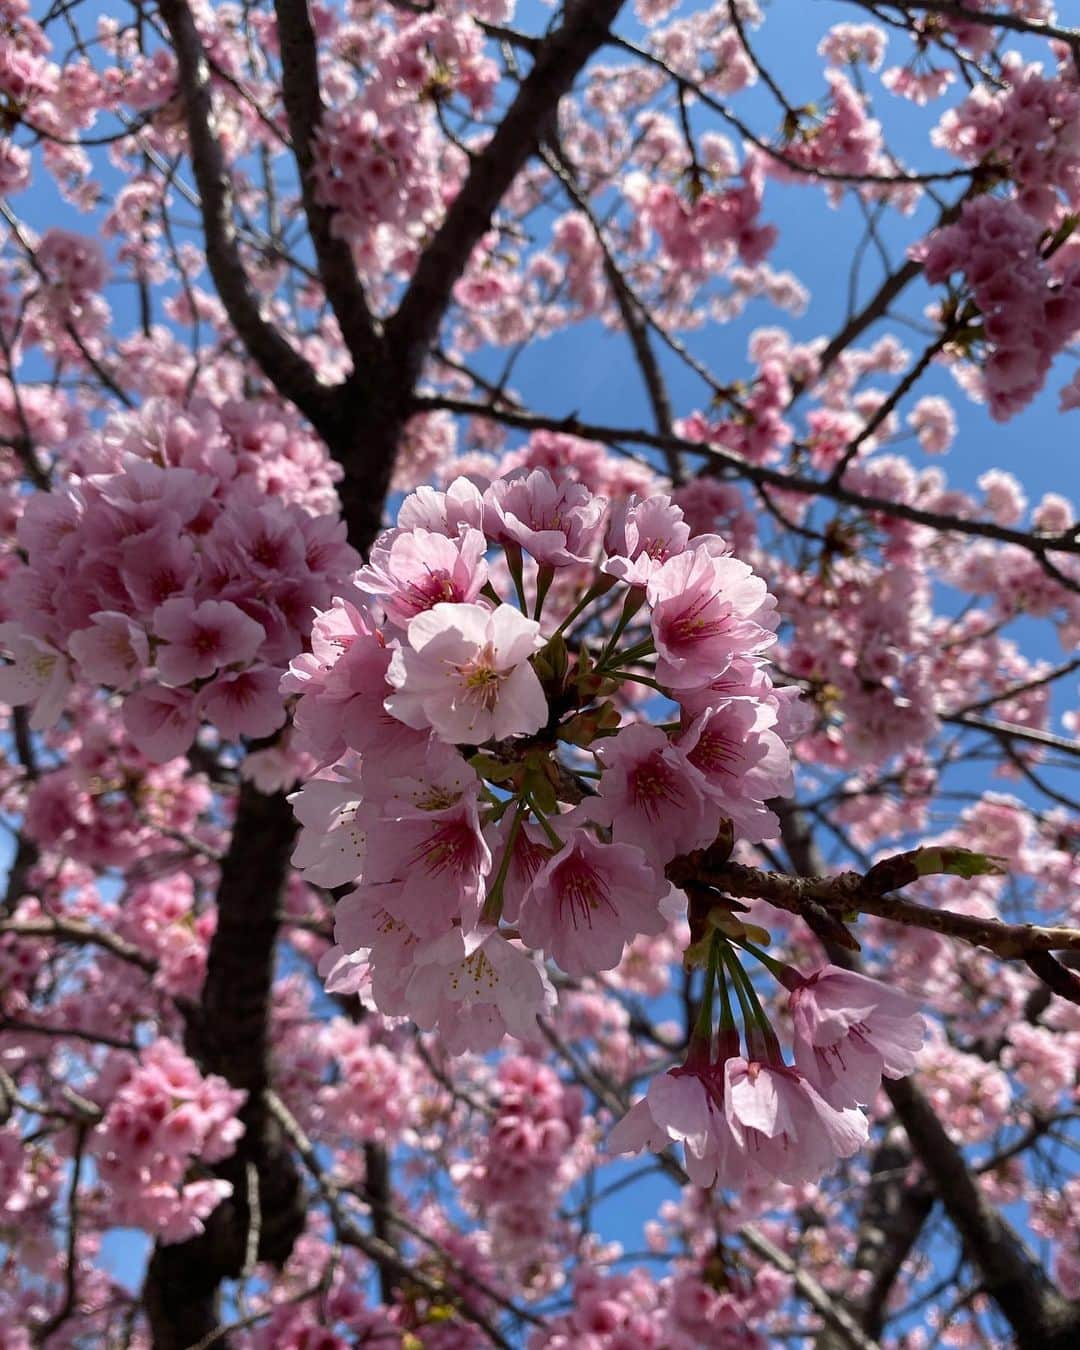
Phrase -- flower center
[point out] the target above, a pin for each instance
(480, 678)
(582, 891)
(696, 623)
(653, 787)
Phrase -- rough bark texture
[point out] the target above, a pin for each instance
(228, 1034)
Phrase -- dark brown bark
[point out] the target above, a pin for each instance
(228, 1034)
(279, 361)
(304, 107)
(559, 60)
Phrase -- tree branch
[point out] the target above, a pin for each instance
(228, 1032)
(1039, 1316)
(1037, 544)
(631, 310)
(80, 932)
(559, 59)
(381, 1253)
(848, 892)
(304, 108)
(279, 361)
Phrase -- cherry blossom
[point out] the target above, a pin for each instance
(465, 674)
(849, 1030)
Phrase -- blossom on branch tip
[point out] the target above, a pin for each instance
(705, 611)
(557, 523)
(784, 1124)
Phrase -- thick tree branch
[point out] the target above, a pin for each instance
(560, 58)
(1040, 1317)
(304, 107)
(279, 361)
(229, 1034)
(1016, 23)
(848, 893)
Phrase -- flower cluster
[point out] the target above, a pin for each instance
(161, 1116)
(1030, 127)
(504, 782)
(532, 1153)
(1028, 314)
(482, 790)
(745, 1120)
(177, 578)
(611, 1311)
(378, 155)
(713, 225)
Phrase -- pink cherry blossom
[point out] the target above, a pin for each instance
(652, 796)
(161, 721)
(743, 762)
(687, 1105)
(588, 901)
(477, 988)
(200, 639)
(849, 1030)
(557, 523)
(641, 535)
(440, 858)
(786, 1127)
(244, 702)
(416, 569)
(113, 651)
(705, 610)
(465, 673)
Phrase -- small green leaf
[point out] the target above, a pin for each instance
(892, 873)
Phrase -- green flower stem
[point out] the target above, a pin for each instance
(544, 578)
(633, 602)
(753, 1013)
(635, 653)
(637, 679)
(774, 967)
(738, 979)
(545, 825)
(513, 562)
(701, 1037)
(493, 903)
(596, 590)
(727, 1017)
